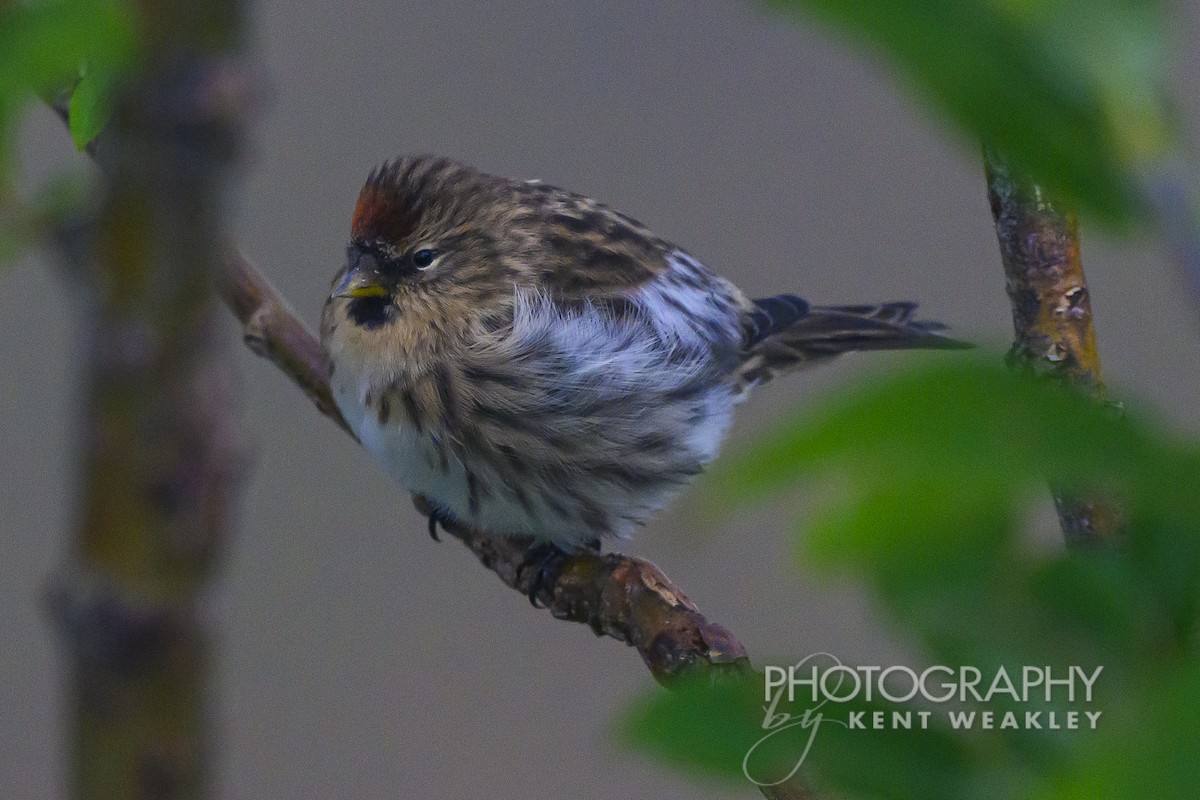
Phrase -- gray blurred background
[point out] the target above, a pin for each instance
(358, 659)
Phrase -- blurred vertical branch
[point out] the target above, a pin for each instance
(1052, 314)
(160, 450)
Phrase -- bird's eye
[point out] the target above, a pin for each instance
(423, 258)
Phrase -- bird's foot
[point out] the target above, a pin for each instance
(548, 559)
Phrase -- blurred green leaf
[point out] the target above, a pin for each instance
(709, 727)
(1146, 751)
(728, 730)
(91, 105)
(931, 473)
(44, 46)
(966, 418)
(1073, 91)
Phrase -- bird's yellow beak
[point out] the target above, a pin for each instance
(361, 280)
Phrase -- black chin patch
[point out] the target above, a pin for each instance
(371, 312)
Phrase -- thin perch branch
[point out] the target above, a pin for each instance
(1052, 315)
(625, 598)
(271, 329)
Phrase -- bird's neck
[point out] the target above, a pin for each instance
(418, 335)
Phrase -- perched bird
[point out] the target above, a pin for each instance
(538, 364)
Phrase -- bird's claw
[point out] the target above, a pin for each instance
(547, 559)
(435, 518)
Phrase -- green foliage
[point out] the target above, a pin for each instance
(932, 473)
(1072, 91)
(45, 48)
(719, 730)
(91, 104)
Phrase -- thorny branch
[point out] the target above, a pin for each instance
(1052, 316)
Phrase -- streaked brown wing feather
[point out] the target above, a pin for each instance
(784, 332)
(589, 251)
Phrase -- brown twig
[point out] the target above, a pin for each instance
(271, 329)
(1052, 315)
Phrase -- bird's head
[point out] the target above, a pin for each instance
(437, 249)
(424, 229)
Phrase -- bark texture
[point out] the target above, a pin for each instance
(1052, 316)
(160, 451)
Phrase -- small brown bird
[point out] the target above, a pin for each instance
(538, 364)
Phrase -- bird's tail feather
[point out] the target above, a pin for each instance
(784, 333)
